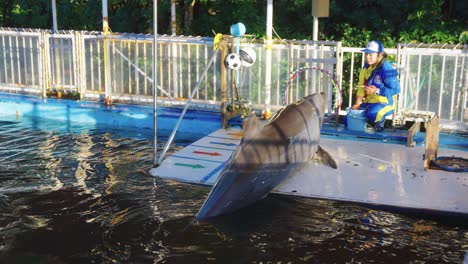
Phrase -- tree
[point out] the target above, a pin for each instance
(352, 22)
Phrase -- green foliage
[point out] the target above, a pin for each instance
(25, 13)
(352, 22)
(464, 37)
(425, 23)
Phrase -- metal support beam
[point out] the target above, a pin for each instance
(155, 83)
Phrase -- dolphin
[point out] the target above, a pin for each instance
(268, 154)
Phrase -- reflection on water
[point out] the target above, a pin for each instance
(83, 195)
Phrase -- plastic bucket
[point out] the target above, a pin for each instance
(357, 120)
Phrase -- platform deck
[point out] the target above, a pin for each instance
(370, 172)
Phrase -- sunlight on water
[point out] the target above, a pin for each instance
(80, 194)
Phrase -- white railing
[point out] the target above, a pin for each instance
(433, 77)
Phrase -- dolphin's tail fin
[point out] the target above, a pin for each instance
(325, 157)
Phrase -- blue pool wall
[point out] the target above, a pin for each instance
(196, 123)
(82, 115)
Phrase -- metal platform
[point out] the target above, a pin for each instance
(369, 172)
(202, 161)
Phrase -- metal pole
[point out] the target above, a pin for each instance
(54, 16)
(155, 83)
(314, 53)
(173, 17)
(315, 29)
(105, 30)
(269, 33)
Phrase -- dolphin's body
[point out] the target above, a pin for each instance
(267, 155)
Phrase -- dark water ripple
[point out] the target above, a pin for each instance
(80, 194)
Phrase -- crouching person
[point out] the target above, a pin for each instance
(378, 83)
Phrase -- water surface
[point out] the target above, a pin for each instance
(73, 193)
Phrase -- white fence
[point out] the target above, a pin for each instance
(433, 77)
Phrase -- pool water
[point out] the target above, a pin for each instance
(75, 193)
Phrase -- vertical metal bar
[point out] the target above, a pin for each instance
(189, 68)
(52, 62)
(18, 59)
(11, 61)
(322, 76)
(24, 65)
(407, 81)
(2, 56)
(51, 68)
(77, 56)
(223, 46)
(261, 67)
(82, 64)
(214, 79)
(268, 47)
(170, 81)
(296, 95)
(76, 59)
(145, 61)
(155, 82)
(441, 91)
(206, 80)
(40, 62)
(351, 81)
(308, 84)
(105, 30)
(175, 84)
(121, 89)
(99, 62)
(173, 18)
(180, 70)
(197, 68)
(464, 88)
(75, 65)
(250, 85)
(290, 67)
(137, 81)
(55, 70)
(316, 75)
(129, 67)
(418, 81)
(91, 63)
(4, 59)
(161, 67)
(31, 57)
(47, 64)
(429, 83)
(278, 76)
(67, 60)
(54, 16)
(62, 61)
(112, 69)
(339, 70)
(452, 103)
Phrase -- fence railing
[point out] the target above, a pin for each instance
(433, 77)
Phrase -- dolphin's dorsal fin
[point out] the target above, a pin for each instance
(250, 126)
(325, 157)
